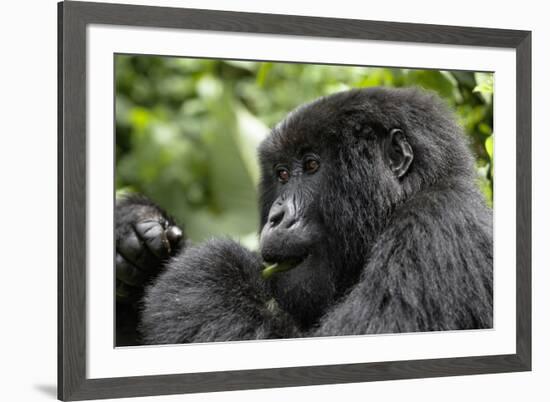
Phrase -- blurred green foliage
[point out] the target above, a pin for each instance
(187, 129)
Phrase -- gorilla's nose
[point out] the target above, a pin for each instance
(285, 234)
(282, 215)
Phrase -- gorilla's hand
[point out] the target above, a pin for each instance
(145, 238)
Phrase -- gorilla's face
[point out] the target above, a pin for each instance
(329, 176)
(294, 228)
(294, 236)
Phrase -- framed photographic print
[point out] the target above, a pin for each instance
(256, 201)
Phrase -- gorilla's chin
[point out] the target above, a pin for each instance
(305, 288)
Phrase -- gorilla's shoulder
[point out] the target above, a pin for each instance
(446, 215)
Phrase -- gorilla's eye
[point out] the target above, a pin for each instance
(311, 165)
(283, 175)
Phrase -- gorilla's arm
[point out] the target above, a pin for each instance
(426, 273)
(212, 292)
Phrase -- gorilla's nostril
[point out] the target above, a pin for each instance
(276, 218)
(290, 223)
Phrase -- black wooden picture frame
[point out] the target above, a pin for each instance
(73, 18)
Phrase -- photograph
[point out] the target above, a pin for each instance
(239, 201)
(249, 201)
(261, 200)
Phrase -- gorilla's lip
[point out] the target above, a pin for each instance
(272, 268)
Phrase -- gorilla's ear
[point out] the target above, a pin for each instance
(398, 152)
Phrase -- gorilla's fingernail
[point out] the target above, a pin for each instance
(174, 234)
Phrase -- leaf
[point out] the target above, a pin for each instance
(485, 84)
(489, 146)
(241, 64)
(263, 71)
(434, 80)
(140, 118)
(464, 78)
(231, 187)
(250, 132)
(209, 87)
(272, 269)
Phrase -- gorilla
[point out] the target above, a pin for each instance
(371, 223)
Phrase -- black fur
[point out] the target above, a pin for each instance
(212, 292)
(383, 252)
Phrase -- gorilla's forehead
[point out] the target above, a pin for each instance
(327, 123)
(308, 134)
(319, 125)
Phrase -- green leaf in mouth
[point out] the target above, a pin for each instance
(271, 269)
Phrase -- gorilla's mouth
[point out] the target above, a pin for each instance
(281, 266)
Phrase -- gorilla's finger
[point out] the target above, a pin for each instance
(133, 249)
(129, 274)
(175, 236)
(154, 236)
